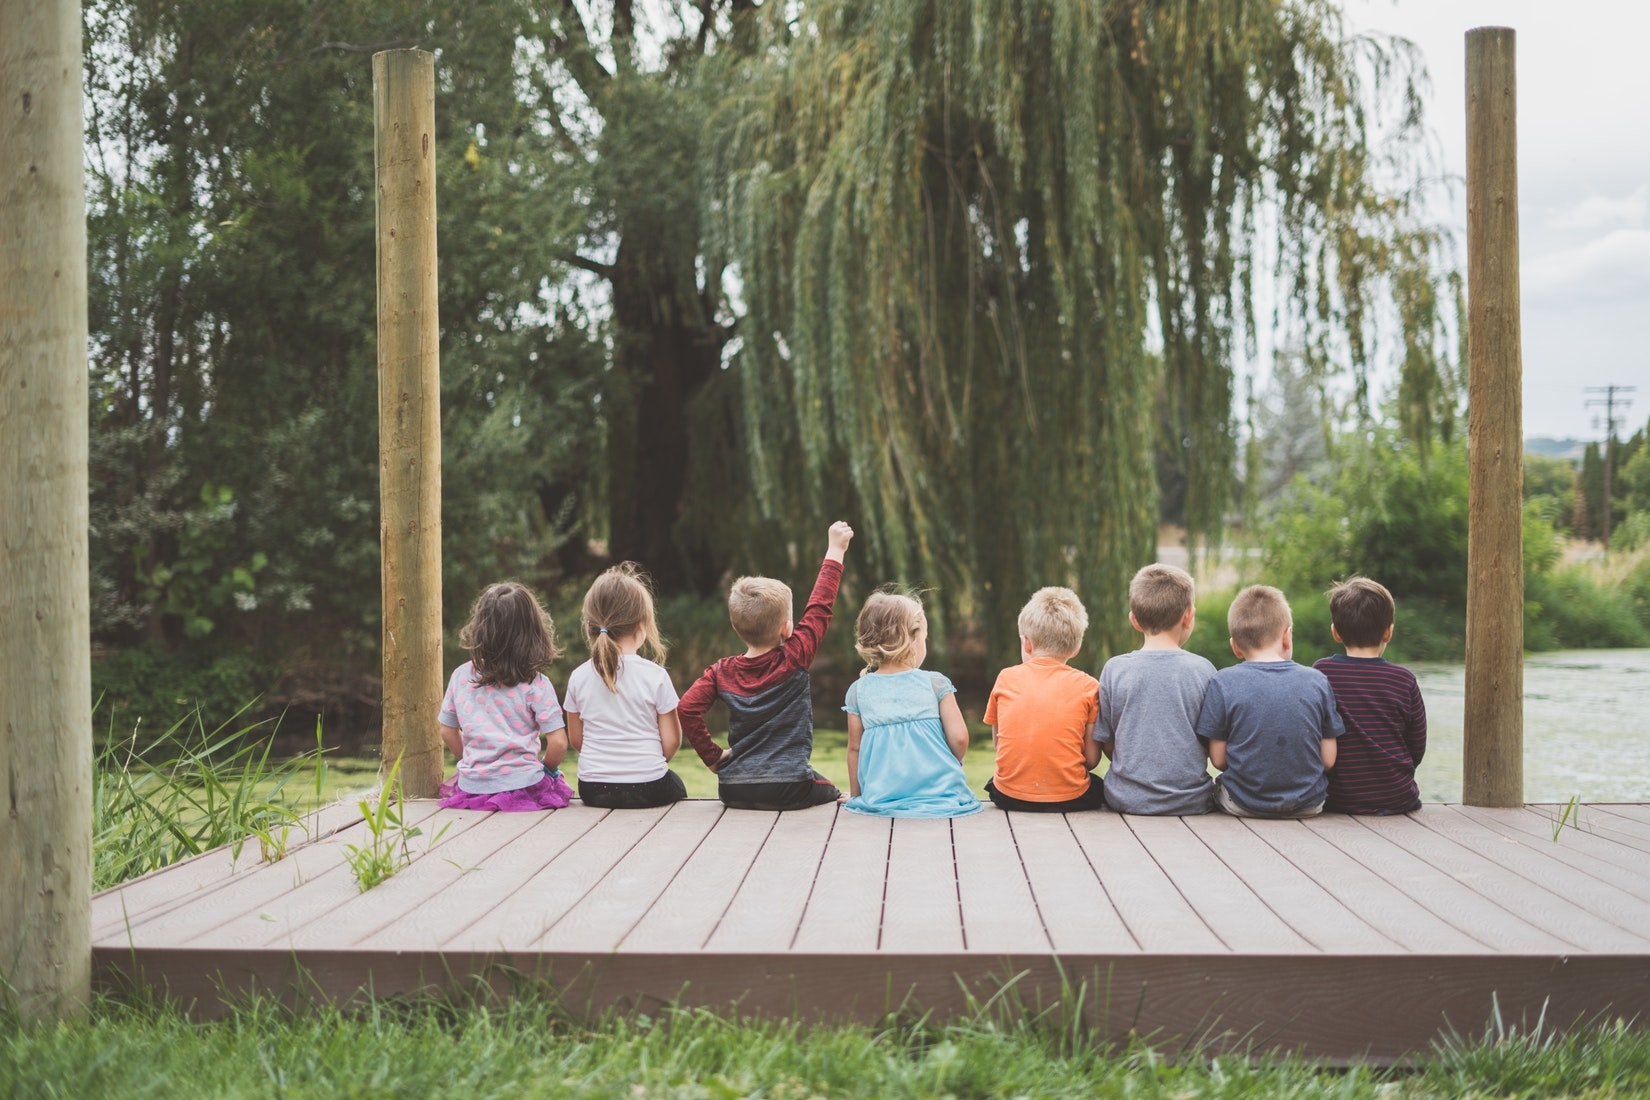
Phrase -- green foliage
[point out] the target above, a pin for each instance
(531, 1045)
(390, 836)
(1569, 608)
(176, 794)
(1550, 484)
(962, 226)
(150, 688)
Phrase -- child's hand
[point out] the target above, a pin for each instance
(840, 536)
(726, 753)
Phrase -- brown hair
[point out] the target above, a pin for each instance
(1258, 617)
(509, 637)
(1054, 620)
(1159, 595)
(1361, 610)
(758, 608)
(619, 603)
(888, 627)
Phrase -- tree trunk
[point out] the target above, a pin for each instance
(667, 354)
(45, 631)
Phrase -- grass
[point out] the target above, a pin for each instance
(526, 1047)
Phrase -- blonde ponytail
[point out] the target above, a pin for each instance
(619, 604)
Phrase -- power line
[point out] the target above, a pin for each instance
(1609, 401)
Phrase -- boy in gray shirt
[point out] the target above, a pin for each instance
(1149, 703)
(1271, 724)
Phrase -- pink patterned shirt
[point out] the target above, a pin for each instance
(501, 728)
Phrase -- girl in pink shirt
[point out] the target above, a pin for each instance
(499, 707)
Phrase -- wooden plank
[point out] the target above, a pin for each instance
(522, 918)
(1552, 913)
(1222, 899)
(249, 890)
(1600, 856)
(998, 912)
(1367, 840)
(604, 917)
(1079, 911)
(363, 917)
(167, 887)
(1294, 897)
(1382, 905)
(463, 902)
(1623, 822)
(844, 910)
(768, 906)
(1544, 868)
(695, 901)
(921, 911)
(275, 922)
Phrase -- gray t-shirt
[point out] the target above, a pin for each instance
(1149, 701)
(1272, 716)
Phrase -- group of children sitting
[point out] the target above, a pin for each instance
(1288, 741)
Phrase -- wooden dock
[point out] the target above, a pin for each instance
(1342, 938)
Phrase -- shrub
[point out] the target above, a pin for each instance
(147, 684)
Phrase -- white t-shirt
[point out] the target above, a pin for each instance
(621, 729)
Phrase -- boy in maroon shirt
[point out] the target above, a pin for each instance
(1380, 703)
(768, 693)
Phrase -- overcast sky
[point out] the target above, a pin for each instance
(1584, 185)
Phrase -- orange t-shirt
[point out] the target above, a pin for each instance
(1043, 710)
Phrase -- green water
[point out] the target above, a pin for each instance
(1586, 727)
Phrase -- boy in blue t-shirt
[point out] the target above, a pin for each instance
(1271, 724)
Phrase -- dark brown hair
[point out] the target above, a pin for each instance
(509, 637)
(619, 603)
(1361, 610)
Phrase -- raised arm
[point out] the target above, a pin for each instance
(803, 643)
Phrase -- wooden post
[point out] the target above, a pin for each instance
(45, 627)
(409, 415)
(1493, 732)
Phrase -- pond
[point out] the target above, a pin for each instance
(1586, 727)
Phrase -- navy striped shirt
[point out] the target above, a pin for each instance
(1386, 736)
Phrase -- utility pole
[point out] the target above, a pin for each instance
(1609, 401)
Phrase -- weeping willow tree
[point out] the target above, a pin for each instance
(984, 243)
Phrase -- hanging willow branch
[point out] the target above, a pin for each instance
(977, 240)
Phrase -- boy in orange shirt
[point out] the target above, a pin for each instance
(1042, 714)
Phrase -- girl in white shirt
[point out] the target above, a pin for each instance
(620, 706)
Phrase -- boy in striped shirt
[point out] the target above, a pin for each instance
(1380, 703)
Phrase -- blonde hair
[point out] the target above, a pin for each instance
(758, 608)
(888, 628)
(1159, 595)
(619, 603)
(1258, 617)
(509, 636)
(1054, 620)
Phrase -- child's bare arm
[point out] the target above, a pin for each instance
(1327, 749)
(575, 730)
(555, 748)
(956, 730)
(856, 730)
(1091, 752)
(452, 739)
(670, 733)
(1217, 755)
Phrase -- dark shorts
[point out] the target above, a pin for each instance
(1092, 799)
(662, 791)
(797, 794)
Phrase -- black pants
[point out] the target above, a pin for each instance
(796, 794)
(1092, 799)
(662, 791)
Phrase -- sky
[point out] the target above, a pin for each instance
(1584, 186)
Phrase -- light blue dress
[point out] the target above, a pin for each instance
(906, 769)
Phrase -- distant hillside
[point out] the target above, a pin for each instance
(1555, 448)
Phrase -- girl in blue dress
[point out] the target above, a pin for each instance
(906, 734)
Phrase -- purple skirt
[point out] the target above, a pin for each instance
(549, 793)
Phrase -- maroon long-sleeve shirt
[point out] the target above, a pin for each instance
(769, 699)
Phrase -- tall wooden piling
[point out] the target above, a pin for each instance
(1493, 733)
(45, 627)
(409, 414)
